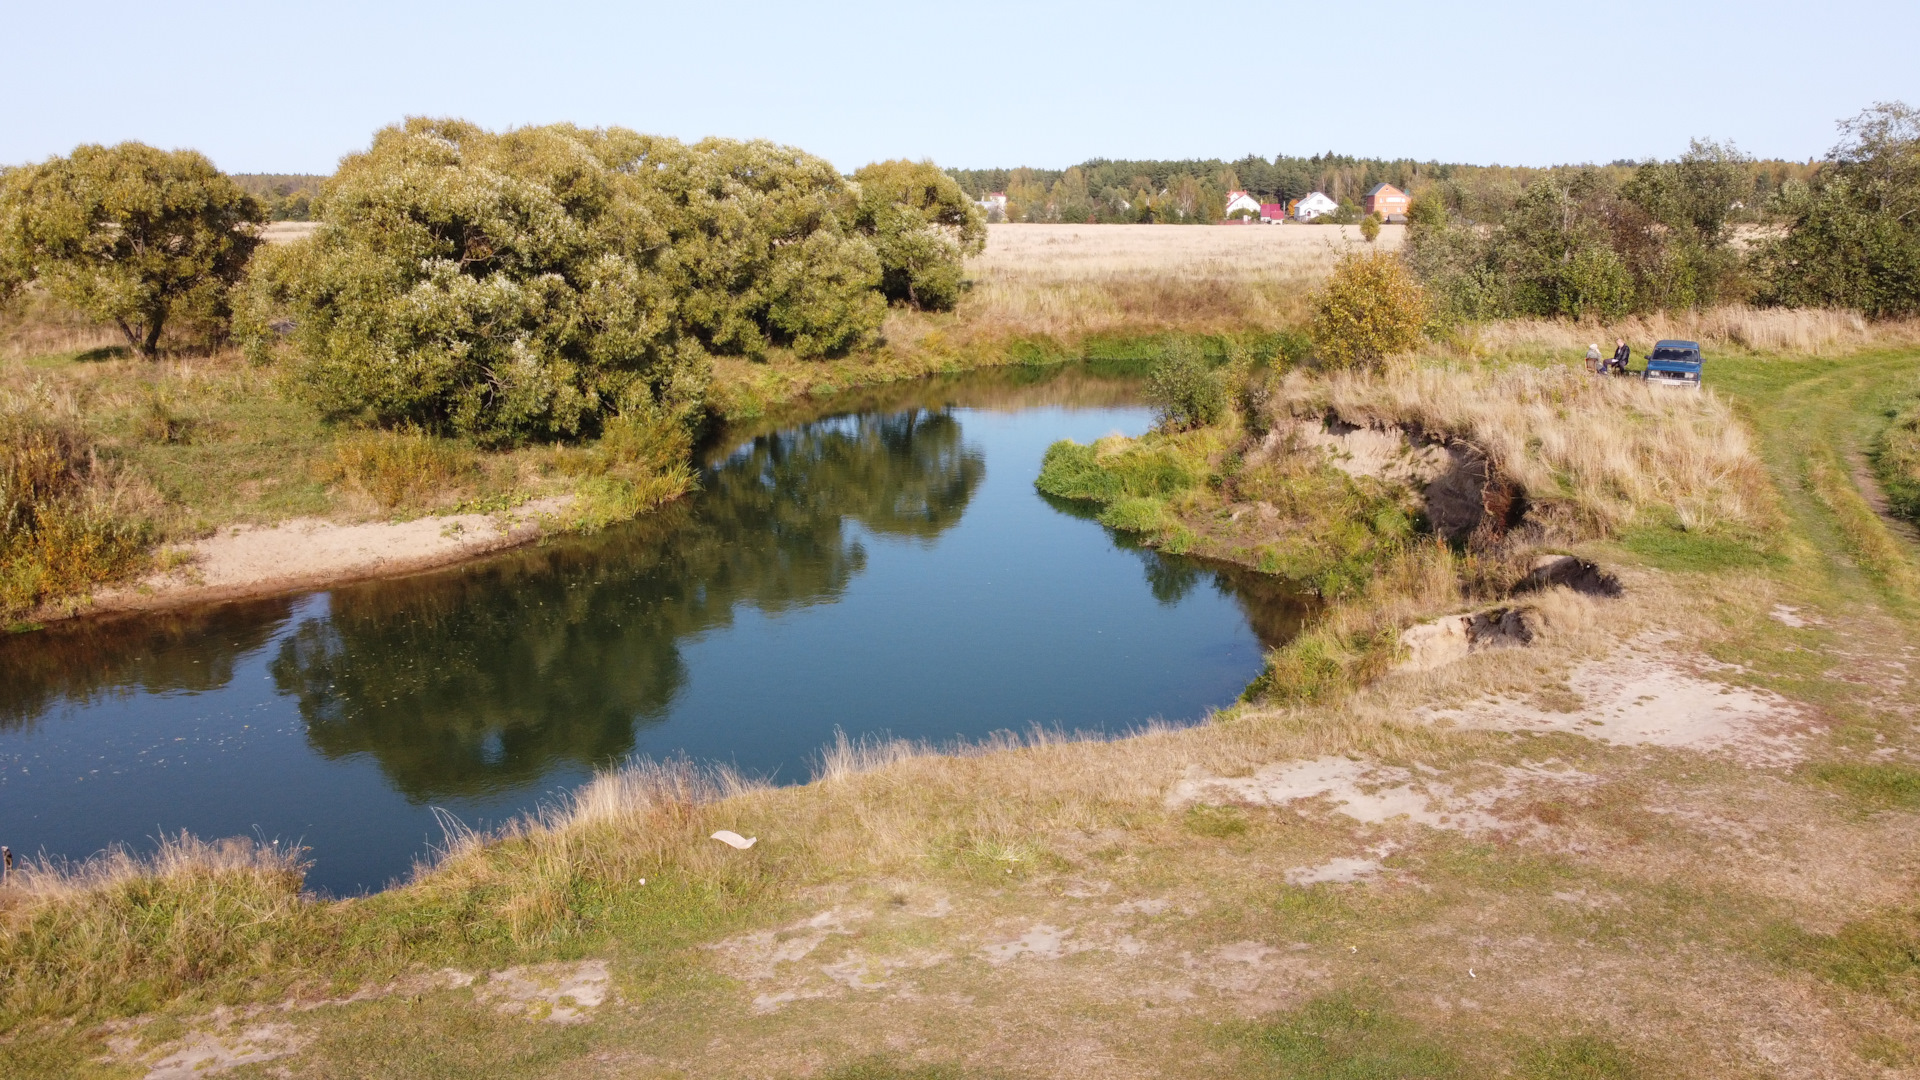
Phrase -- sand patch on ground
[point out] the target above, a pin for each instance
(1640, 697)
(555, 993)
(309, 553)
(205, 1053)
(1375, 794)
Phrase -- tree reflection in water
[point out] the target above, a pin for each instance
(480, 680)
(82, 661)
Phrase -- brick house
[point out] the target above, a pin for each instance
(1387, 201)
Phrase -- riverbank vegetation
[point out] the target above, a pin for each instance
(913, 910)
(1669, 836)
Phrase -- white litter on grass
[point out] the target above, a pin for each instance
(735, 840)
(1789, 616)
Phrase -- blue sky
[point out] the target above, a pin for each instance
(286, 88)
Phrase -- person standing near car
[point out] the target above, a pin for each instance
(1621, 354)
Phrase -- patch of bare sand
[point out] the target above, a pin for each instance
(1374, 794)
(556, 993)
(1645, 696)
(310, 553)
(205, 1053)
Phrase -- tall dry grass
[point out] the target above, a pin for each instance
(1785, 330)
(1604, 450)
(131, 931)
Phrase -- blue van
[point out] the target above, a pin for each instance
(1674, 363)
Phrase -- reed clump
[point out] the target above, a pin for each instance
(121, 933)
(399, 468)
(640, 461)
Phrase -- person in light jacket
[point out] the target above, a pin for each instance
(1593, 357)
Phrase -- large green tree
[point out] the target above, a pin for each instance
(128, 234)
(525, 284)
(1853, 234)
(922, 225)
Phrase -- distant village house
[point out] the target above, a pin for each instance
(1272, 213)
(1389, 202)
(995, 204)
(1240, 200)
(1312, 206)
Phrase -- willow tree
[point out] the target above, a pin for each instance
(923, 226)
(526, 284)
(129, 235)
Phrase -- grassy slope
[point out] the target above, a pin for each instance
(1680, 914)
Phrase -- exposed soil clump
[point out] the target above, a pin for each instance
(1569, 572)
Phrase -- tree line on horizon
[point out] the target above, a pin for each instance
(1194, 191)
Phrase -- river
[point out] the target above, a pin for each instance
(879, 565)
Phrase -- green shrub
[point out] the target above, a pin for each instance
(1371, 308)
(1852, 239)
(1184, 388)
(525, 285)
(1370, 228)
(133, 236)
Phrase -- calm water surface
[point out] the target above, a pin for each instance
(889, 569)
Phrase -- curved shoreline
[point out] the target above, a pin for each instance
(252, 561)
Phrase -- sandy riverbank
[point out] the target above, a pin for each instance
(308, 553)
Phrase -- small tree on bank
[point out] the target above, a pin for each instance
(129, 235)
(1184, 389)
(1370, 228)
(1371, 308)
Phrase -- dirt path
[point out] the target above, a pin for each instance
(1869, 485)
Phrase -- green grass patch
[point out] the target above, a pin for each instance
(1879, 955)
(1880, 785)
(1582, 1057)
(1667, 547)
(1073, 471)
(1219, 822)
(1351, 1035)
(885, 1067)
